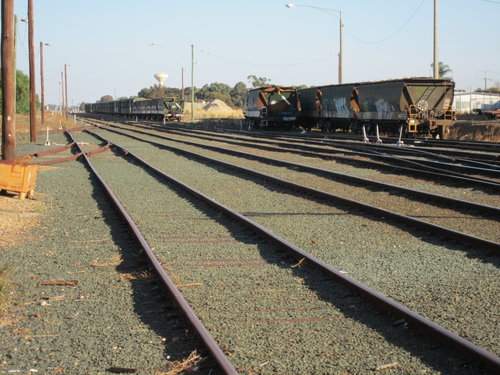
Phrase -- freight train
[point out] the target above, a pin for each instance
(164, 109)
(409, 106)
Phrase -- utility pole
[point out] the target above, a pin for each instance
(62, 95)
(42, 112)
(192, 82)
(8, 82)
(66, 90)
(341, 79)
(31, 24)
(436, 58)
(182, 81)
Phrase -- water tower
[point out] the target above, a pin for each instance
(161, 77)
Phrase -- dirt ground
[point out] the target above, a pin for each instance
(476, 130)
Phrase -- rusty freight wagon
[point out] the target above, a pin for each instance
(271, 107)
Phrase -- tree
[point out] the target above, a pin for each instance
(258, 81)
(106, 99)
(157, 91)
(238, 93)
(214, 91)
(444, 69)
(22, 93)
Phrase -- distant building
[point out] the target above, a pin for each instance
(473, 102)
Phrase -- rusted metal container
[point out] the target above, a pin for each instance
(18, 176)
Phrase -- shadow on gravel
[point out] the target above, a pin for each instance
(485, 255)
(161, 318)
(151, 302)
(434, 354)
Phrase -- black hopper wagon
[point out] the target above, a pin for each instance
(408, 106)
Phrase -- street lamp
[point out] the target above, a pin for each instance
(331, 12)
(42, 112)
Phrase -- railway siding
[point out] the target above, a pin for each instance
(360, 246)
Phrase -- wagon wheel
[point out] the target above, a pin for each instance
(422, 105)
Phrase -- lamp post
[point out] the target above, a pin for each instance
(42, 96)
(192, 82)
(436, 50)
(332, 13)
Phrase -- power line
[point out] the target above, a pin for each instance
(266, 65)
(394, 33)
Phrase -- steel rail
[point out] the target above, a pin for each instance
(478, 242)
(53, 151)
(438, 154)
(321, 152)
(469, 145)
(217, 353)
(74, 156)
(355, 147)
(372, 154)
(387, 303)
(359, 180)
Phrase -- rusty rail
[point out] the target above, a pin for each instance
(53, 151)
(75, 156)
(218, 355)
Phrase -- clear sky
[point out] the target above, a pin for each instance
(114, 47)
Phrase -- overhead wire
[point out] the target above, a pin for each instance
(324, 58)
(391, 35)
(268, 65)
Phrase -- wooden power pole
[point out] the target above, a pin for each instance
(42, 97)
(31, 24)
(8, 82)
(66, 90)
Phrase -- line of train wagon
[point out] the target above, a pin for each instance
(409, 106)
(163, 109)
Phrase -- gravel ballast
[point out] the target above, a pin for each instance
(270, 314)
(83, 300)
(439, 280)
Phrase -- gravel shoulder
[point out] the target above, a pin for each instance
(83, 300)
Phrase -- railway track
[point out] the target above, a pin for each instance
(487, 225)
(426, 168)
(195, 239)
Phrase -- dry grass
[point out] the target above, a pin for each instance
(5, 287)
(188, 365)
(53, 120)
